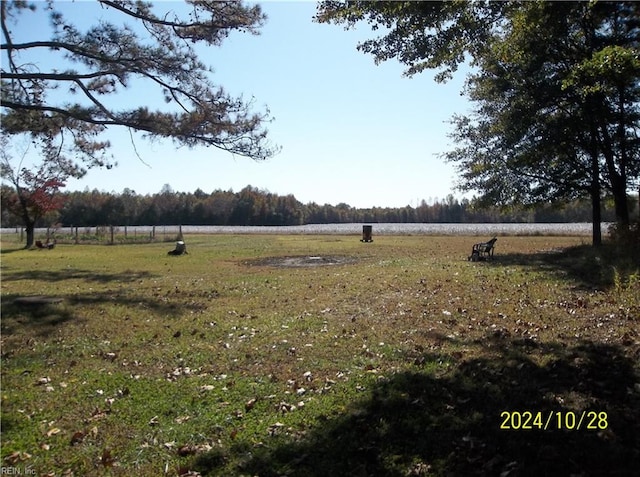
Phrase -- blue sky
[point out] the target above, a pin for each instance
(350, 131)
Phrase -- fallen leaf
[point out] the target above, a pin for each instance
(107, 459)
(184, 472)
(186, 450)
(285, 407)
(98, 414)
(274, 428)
(77, 437)
(17, 456)
(250, 404)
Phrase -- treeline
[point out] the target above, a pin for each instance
(253, 206)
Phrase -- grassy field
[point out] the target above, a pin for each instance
(395, 358)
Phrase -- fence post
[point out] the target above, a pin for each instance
(111, 229)
(76, 235)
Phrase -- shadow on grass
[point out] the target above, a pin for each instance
(5, 250)
(127, 276)
(40, 319)
(585, 265)
(415, 423)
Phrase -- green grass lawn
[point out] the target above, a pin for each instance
(403, 359)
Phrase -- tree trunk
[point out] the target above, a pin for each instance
(30, 227)
(620, 187)
(621, 207)
(596, 214)
(617, 178)
(597, 218)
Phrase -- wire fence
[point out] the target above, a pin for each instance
(107, 234)
(123, 234)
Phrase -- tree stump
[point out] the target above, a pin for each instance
(181, 248)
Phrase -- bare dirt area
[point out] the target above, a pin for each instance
(297, 261)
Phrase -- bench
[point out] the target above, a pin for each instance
(47, 246)
(482, 250)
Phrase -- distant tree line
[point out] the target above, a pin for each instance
(253, 206)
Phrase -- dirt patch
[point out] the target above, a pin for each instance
(298, 261)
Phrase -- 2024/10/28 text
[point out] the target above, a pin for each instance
(568, 420)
